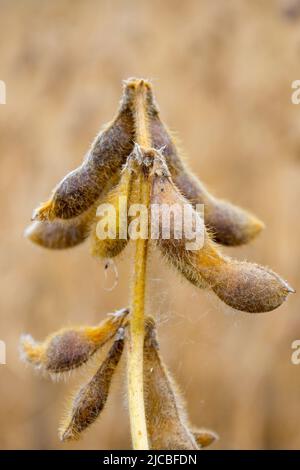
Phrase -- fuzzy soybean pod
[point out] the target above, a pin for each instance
(69, 348)
(60, 234)
(91, 398)
(83, 186)
(167, 424)
(241, 285)
(229, 224)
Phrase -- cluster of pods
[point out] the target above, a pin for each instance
(118, 165)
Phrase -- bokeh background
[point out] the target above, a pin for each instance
(222, 72)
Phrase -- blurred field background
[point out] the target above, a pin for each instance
(222, 72)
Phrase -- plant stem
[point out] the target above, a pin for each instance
(136, 345)
(142, 136)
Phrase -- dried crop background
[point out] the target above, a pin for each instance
(222, 72)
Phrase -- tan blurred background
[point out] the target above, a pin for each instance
(222, 72)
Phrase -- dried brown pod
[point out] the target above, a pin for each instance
(167, 424)
(84, 185)
(91, 398)
(243, 286)
(61, 234)
(69, 348)
(229, 224)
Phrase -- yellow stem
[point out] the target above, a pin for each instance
(141, 119)
(135, 356)
(136, 346)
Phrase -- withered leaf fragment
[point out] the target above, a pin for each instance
(167, 424)
(91, 398)
(241, 285)
(204, 437)
(69, 348)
